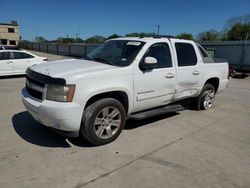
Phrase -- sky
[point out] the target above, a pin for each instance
(85, 18)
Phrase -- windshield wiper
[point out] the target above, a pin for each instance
(99, 59)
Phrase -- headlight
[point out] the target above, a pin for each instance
(60, 93)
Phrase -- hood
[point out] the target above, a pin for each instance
(70, 67)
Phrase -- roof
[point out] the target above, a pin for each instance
(148, 39)
(142, 39)
(12, 23)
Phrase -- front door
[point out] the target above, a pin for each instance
(21, 61)
(155, 87)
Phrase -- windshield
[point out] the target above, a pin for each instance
(116, 52)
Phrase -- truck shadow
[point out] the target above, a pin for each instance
(35, 133)
(133, 124)
(11, 77)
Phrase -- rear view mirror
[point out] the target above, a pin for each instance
(150, 60)
(148, 63)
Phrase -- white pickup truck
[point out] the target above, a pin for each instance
(120, 79)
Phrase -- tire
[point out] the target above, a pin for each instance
(103, 121)
(206, 98)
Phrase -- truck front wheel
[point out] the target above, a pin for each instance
(206, 98)
(103, 121)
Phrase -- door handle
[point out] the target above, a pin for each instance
(196, 72)
(9, 62)
(169, 75)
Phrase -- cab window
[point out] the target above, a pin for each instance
(185, 54)
(206, 58)
(161, 52)
(21, 55)
(203, 52)
(4, 55)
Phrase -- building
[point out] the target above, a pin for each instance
(9, 33)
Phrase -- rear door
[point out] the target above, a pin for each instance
(21, 61)
(188, 68)
(5, 63)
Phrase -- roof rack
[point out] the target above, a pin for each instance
(164, 36)
(159, 36)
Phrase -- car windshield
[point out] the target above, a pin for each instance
(116, 52)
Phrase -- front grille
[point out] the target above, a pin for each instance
(35, 81)
(34, 93)
(35, 88)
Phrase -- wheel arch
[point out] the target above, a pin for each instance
(121, 96)
(214, 82)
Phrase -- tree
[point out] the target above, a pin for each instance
(25, 44)
(211, 35)
(113, 36)
(64, 40)
(78, 40)
(95, 40)
(140, 35)
(188, 36)
(235, 20)
(40, 39)
(238, 32)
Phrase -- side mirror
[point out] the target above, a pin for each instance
(148, 63)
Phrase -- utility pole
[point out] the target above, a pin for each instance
(158, 29)
(77, 35)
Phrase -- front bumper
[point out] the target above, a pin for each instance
(63, 117)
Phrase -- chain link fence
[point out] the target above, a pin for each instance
(237, 53)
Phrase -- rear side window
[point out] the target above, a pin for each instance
(185, 54)
(21, 55)
(161, 52)
(203, 52)
(28, 55)
(4, 55)
(206, 58)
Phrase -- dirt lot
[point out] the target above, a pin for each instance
(187, 149)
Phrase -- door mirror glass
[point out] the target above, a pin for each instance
(149, 63)
(150, 60)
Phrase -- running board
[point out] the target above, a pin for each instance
(157, 111)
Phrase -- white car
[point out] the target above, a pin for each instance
(15, 62)
(122, 78)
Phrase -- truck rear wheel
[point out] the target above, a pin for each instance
(103, 121)
(206, 98)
